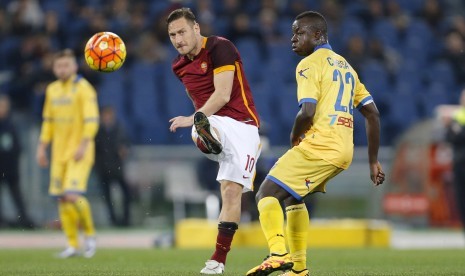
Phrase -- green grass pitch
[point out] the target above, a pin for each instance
(189, 262)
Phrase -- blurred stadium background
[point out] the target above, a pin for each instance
(409, 54)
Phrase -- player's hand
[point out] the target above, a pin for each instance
(181, 121)
(376, 174)
(41, 157)
(79, 154)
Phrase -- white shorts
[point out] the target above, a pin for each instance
(241, 149)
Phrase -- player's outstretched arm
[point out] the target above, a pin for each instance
(372, 126)
(223, 86)
(223, 82)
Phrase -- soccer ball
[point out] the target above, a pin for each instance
(105, 52)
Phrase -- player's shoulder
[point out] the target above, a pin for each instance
(176, 60)
(341, 62)
(214, 41)
(340, 57)
(309, 61)
(53, 85)
(337, 61)
(318, 56)
(322, 55)
(83, 83)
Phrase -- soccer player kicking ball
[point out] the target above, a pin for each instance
(225, 124)
(70, 123)
(321, 140)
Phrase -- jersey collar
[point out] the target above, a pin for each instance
(324, 46)
(72, 79)
(204, 42)
(77, 78)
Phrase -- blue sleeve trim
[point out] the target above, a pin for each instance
(284, 186)
(364, 101)
(307, 100)
(76, 192)
(79, 192)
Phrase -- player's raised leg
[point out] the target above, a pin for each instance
(207, 134)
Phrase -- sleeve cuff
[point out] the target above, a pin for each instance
(365, 101)
(307, 100)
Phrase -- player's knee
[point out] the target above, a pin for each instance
(262, 193)
(231, 191)
(258, 196)
(290, 200)
(269, 188)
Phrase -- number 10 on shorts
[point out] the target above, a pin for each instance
(250, 163)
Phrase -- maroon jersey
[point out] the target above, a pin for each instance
(217, 55)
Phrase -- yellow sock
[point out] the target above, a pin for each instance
(272, 221)
(85, 215)
(69, 222)
(297, 233)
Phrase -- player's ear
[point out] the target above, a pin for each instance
(196, 27)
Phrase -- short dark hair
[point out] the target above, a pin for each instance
(181, 13)
(318, 20)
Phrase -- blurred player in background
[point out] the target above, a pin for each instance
(321, 141)
(455, 135)
(70, 123)
(111, 150)
(10, 151)
(225, 124)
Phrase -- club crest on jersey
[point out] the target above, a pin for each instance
(203, 66)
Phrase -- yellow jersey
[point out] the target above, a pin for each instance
(70, 114)
(327, 79)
